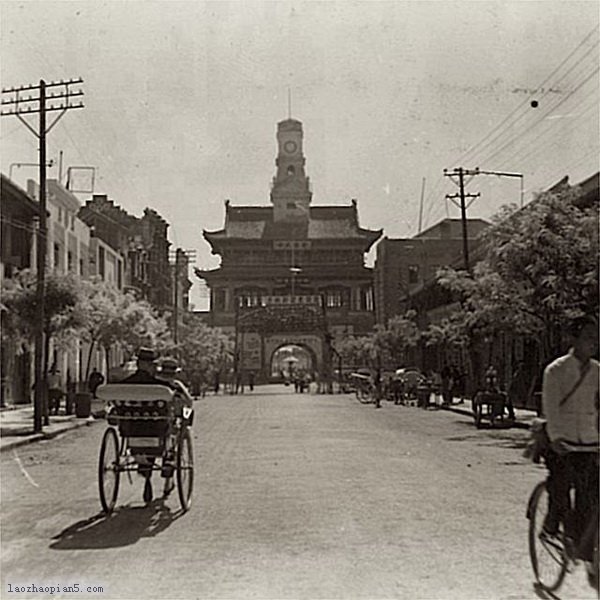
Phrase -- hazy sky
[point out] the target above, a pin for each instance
(183, 99)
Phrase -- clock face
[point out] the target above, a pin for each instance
(290, 147)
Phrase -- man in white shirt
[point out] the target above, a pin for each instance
(570, 401)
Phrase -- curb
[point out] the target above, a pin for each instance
(46, 435)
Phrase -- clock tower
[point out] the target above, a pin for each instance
(290, 191)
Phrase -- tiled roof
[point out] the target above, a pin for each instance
(324, 222)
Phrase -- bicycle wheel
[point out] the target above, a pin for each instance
(185, 469)
(548, 557)
(108, 470)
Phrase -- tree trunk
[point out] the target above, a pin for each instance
(89, 360)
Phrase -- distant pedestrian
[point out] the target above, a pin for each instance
(55, 392)
(251, 380)
(95, 380)
(446, 374)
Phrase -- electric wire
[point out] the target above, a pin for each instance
(512, 141)
(471, 150)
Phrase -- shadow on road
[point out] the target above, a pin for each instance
(125, 526)
(489, 436)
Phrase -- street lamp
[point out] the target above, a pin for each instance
(295, 271)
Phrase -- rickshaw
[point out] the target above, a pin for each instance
(148, 430)
(407, 382)
(490, 402)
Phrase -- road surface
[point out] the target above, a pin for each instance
(296, 496)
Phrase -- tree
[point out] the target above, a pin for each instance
(539, 272)
(204, 350)
(62, 321)
(399, 335)
(113, 318)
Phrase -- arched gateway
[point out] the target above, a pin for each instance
(291, 273)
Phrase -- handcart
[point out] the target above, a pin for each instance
(148, 430)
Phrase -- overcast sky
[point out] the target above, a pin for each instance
(183, 99)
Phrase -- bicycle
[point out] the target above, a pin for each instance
(553, 556)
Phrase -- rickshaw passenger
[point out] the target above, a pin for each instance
(145, 374)
(146, 369)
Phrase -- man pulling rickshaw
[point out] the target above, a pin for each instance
(149, 416)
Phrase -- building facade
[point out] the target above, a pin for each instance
(404, 265)
(19, 214)
(143, 244)
(287, 255)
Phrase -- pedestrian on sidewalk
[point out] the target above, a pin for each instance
(55, 392)
(446, 374)
(95, 380)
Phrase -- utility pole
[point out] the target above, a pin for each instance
(182, 258)
(60, 99)
(460, 173)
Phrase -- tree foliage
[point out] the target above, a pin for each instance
(539, 272)
(204, 350)
(384, 345)
(114, 319)
(62, 320)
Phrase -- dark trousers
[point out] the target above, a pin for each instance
(580, 471)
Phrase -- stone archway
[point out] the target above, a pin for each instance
(303, 352)
(290, 359)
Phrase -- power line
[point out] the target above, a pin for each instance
(509, 142)
(536, 118)
(526, 102)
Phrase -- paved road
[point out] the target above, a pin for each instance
(297, 496)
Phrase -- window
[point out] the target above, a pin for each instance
(70, 261)
(413, 274)
(291, 170)
(334, 298)
(366, 299)
(81, 266)
(291, 205)
(119, 274)
(219, 299)
(101, 262)
(56, 256)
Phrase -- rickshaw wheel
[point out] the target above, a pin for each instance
(108, 470)
(185, 469)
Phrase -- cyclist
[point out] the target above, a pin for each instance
(570, 402)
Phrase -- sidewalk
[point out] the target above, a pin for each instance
(16, 425)
(523, 418)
